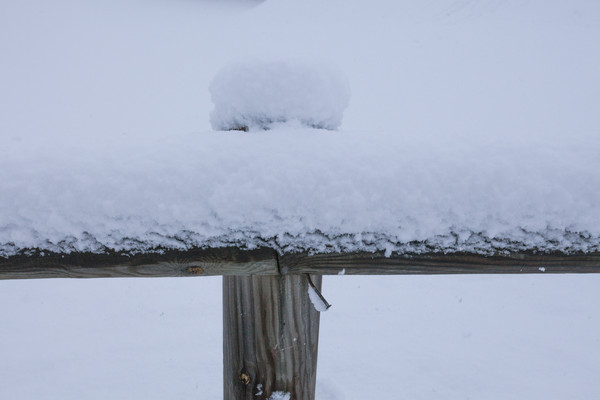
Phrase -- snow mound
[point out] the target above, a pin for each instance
(263, 94)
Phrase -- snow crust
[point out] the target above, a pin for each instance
(258, 95)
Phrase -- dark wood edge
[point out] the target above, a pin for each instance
(234, 261)
(438, 263)
(159, 263)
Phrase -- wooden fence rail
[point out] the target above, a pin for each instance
(236, 262)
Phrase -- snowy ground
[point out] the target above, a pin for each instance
(421, 337)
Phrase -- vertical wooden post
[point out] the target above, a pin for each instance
(270, 337)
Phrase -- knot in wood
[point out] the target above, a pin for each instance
(195, 270)
(245, 378)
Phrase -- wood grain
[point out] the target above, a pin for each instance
(270, 337)
(195, 262)
(234, 261)
(428, 264)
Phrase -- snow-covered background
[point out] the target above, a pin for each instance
(533, 337)
(469, 120)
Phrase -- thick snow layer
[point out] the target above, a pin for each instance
(302, 189)
(473, 126)
(260, 95)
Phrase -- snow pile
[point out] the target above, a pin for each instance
(260, 95)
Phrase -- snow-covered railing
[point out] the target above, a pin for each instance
(469, 150)
(265, 209)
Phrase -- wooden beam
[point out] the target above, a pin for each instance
(436, 263)
(234, 261)
(270, 337)
(196, 262)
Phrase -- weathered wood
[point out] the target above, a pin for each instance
(233, 261)
(270, 337)
(428, 264)
(195, 262)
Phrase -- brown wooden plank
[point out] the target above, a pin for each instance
(195, 262)
(233, 261)
(270, 337)
(428, 264)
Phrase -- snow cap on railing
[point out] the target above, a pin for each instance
(262, 95)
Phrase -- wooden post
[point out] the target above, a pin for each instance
(270, 337)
